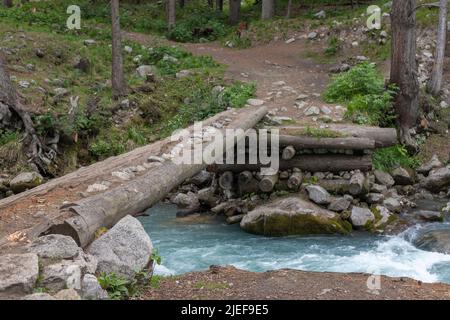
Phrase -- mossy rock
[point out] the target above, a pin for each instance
(293, 215)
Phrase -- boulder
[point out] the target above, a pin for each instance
(339, 204)
(318, 194)
(91, 289)
(255, 102)
(38, 296)
(67, 294)
(293, 216)
(145, 71)
(25, 180)
(361, 217)
(61, 275)
(55, 246)
(384, 178)
(201, 179)
(383, 216)
(403, 176)
(428, 215)
(18, 273)
(434, 163)
(373, 198)
(87, 262)
(125, 249)
(378, 188)
(437, 179)
(392, 204)
(434, 240)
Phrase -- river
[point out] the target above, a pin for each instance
(195, 243)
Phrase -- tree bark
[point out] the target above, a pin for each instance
(268, 9)
(288, 153)
(219, 5)
(267, 183)
(171, 13)
(226, 180)
(289, 8)
(435, 84)
(117, 78)
(404, 68)
(235, 11)
(327, 143)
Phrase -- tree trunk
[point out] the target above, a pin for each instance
(8, 3)
(235, 11)
(289, 8)
(267, 183)
(219, 5)
(327, 143)
(117, 79)
(171, 13)
(404, 68)
(435, 83)
(181, 3)
(268, 9)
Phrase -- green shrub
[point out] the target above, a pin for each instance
(333, 47)
(8, 136)
(118, 288)
(388, 158)
(237, 94)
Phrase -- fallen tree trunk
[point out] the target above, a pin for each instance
(327, 143)
(383, 137)
(312, 163)
(105, 209)
(267, 183)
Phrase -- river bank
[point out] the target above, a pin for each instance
(231, 283)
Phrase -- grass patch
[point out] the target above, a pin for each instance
(211, 285)
(388, 158)
(321, 133)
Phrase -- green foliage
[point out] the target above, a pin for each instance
(237, 94)
(333, 47)
(155, 257)
(321, 133)
(118, 288)
(388, 158)
(360, 80)
(7, 136)
(155, 281)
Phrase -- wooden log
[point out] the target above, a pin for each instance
(226, 180)
(268, 182)
(208, 197)
(383, 137)
(245, 177)
(295, 180)
(356, 184)
(105, 209)
(312, 163)
(288, 153)
(349, 143)
(251, 186)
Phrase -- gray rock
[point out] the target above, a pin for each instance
(312, 35)
(145, 71)
(373, 198)
(320, 15)
(25, 180)
(384, 178)
(318, 194)
(437, 179)
(292, 216)
(378, 188)
(89, 42)
(183, 74)
(18, 273)
(87, 262)
(360, 217)
(428, 215)
(186, 200)
(5, 115)
(38, 296)
(339, 204)
(125, 249)
(201, 179)
(128, 49)
(392, 204)
(54, 246)
(67, 294)
(255, 102)
(403, 176)
(434, 240)
(91, 289)
(61, 275)
(312, 111)
(385, 216)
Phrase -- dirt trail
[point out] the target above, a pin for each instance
(281, 71)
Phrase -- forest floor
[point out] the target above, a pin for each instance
(230, 283)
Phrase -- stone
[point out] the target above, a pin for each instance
(91, 289)
(24, 84)
(318, 194)
(292, 216)
(39, 53)
(89, 42)
(437, 179)
(54, 246)
(125, 249)
(434, 163)
(403, 176)
(362, 58)
(384, 178)
(383, 34)
(87, 262)
(392, 204)
(83, 64)
(339, 204)
(18, 273)
(434, 240)
(183, 74)
(38, 296)
(378, 188)
(325, 110)
(312, 111)
(384, 216)
(255, 102)
(169, 58)
(302, 96)
(361, 217)
(320, 15)
(61, 275)
(60, 92)
(67, 294)
(186, 200)
(201, 179)
(443, 105)
(312, 35)
(373, 198)
(145, 71)
(128, 49)
(25, 180)
(290, 40)
(428, 215)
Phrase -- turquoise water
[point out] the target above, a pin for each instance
(192, 244)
